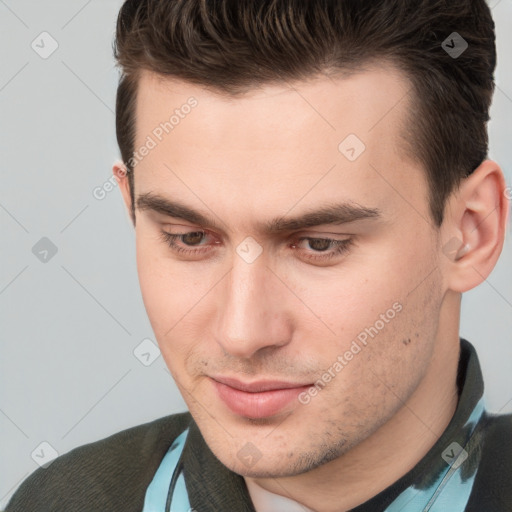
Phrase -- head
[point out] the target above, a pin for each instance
(323, 170)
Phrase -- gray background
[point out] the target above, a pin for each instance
(70, 325)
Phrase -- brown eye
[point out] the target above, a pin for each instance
(321, 247)
(192, 238)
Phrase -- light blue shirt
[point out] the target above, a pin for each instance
(156, 494)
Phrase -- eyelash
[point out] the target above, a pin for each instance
(341, 246)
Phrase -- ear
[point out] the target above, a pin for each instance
(121, 174)
(474, 227)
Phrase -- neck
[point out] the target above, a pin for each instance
(391, 451)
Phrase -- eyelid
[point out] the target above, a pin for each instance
(338, 246)
(313, 232)
(294, 235)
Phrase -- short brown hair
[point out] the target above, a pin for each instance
(233, 46)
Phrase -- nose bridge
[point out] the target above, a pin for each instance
(250, 313)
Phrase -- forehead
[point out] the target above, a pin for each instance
(288, 135)
(355, 102)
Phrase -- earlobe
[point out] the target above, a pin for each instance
(475, 227)
(120, 172)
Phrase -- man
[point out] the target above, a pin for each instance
(311, 195)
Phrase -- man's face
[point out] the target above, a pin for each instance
(249, 303)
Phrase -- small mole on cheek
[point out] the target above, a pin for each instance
(406, 341)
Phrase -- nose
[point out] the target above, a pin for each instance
(252, 310)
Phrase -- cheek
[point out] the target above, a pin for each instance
(173, 298)
(398, 340)
(163, 289)
(344, 302)
(152, 280)
(381, 310)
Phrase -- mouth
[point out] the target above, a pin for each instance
(261, 399)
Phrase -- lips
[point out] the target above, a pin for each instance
(260, 399)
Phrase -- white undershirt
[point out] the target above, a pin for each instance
(265, 501)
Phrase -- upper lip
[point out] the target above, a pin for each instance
(258, 386)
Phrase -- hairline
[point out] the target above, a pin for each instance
(407, 141)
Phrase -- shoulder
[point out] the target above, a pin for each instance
(110, 474)
(492, 489)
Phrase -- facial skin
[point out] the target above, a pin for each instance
(288, 316)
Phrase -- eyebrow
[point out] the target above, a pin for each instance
(333, 214)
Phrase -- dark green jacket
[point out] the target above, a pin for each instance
(113, 474)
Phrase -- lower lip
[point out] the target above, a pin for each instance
(257, 405)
